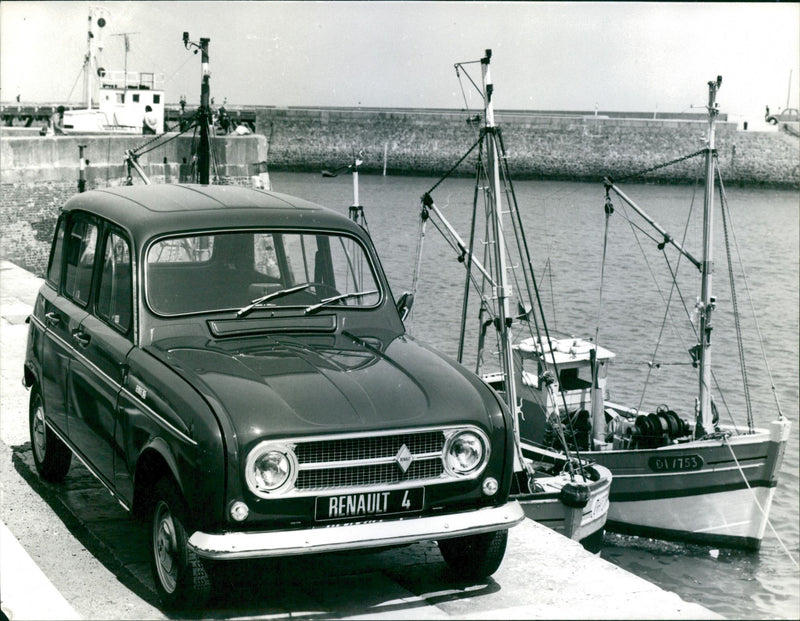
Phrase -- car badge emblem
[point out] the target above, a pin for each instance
(403, 458)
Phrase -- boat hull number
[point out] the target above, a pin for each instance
(675, 463)
(370, 504)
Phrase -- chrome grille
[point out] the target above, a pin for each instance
(365, 448)
(364, 461)
(359, 476)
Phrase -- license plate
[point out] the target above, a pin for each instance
(370, 504)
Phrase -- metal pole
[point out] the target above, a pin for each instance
(667, 237)
(707, 301)
(204, 154)
(82, 173)
(502, 286)
(461, 245)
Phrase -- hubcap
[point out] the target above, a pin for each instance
(165, 547)
(39, 433)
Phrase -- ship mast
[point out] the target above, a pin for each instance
(94, 47)
(502, 289)
(707, 301)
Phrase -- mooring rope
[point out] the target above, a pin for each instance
(758, 504)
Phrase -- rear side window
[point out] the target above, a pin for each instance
(114, 299)
(56, 255)
(81, 244)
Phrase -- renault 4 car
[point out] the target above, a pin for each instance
(232, 366)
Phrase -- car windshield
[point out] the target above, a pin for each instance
(200, 273)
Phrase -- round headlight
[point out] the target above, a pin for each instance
(465, 454)
(270, 468)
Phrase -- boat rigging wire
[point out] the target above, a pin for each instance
(469, 268)
(735, 304)
(429, 209)
(729, 235)
(677, 160)
(609, 184)
(673, 288)
(74, 84)
(752, 305)
(453, 168)
(531, 287)
(460, 67)
(140, 150)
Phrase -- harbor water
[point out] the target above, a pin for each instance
(564, 223)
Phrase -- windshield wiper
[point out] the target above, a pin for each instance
(246, 310)
(344, 296)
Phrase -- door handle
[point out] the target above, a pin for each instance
(52, 318)
(81, 338)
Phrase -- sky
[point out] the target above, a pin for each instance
(615, 56)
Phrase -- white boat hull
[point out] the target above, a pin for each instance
(723, 517)
(585, 524)
(715, 491)
(93, 122)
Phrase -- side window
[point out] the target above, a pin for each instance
(80, 248)
(115, 297)
(56, 254)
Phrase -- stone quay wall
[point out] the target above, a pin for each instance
(575, 148)
(38, 174)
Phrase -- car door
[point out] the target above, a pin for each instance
(59, 317)
(104, 340)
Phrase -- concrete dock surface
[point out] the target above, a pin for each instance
(70, 551)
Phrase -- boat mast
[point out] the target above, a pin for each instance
(204, 113)
(94, 46)
(502, 289)
(708, 301)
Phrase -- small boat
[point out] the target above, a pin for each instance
(557, 488)
(675, 477)
(122, 97)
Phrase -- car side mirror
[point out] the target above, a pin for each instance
(404, 304)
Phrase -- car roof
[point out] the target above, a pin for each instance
(154, 209)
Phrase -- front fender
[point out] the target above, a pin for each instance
(167, 428)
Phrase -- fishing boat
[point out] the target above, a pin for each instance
(115, 101)
(678, 474)
(558, 488)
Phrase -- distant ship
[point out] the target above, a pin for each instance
(122, 96)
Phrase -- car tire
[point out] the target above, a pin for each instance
(475, 556)
(180, 576)
(50, 455)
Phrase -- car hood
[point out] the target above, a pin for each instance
(284, 386)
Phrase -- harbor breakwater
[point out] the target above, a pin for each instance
(547, 146)
(39, 173)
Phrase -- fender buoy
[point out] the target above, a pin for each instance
(575, 495)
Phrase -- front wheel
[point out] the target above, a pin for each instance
(50, 455)
(180, 576)
(475, 556)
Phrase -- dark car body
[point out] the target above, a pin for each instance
(788, 115)
(307, 422)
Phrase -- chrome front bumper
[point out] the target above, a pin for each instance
(355, 536)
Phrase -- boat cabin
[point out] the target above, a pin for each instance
(123, 99)
(556, 376)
